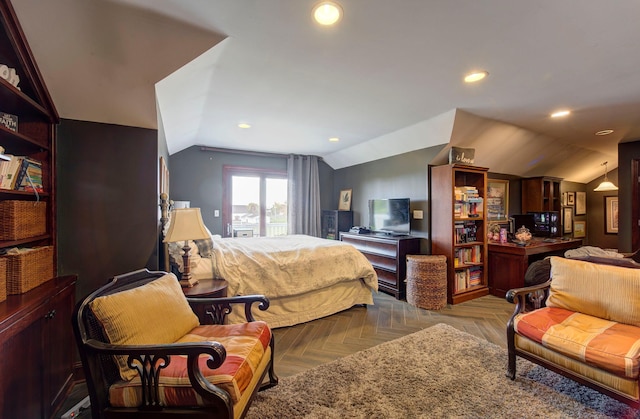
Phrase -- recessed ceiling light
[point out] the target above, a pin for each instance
(244, 125)
(605, 132)
(475, 76)
(334, 139)
(560, 114)
(327, 13)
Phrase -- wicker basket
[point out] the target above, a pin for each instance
(27, 270)
(427, 281)
(22, 219)
(3, 279)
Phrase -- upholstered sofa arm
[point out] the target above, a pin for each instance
(215, 310)
(148, 360)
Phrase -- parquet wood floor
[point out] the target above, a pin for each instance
(307, 345)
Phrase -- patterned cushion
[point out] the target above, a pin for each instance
(154, 313)
(614, 347)
(245, 344)
(607, 292)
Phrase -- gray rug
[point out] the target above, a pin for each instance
(439, 372)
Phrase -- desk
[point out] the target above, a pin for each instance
(508, 262)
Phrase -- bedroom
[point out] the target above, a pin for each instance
(107, 190)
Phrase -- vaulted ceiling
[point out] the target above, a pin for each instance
(386, 80)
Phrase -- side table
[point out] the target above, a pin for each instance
(211, 288)
(206, 288)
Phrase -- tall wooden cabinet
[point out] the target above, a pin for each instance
(541, 194)
(36, 339)
(459, 228)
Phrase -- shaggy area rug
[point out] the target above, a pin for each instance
(437, 372)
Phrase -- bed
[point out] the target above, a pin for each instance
(304, 277)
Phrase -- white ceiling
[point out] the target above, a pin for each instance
(386, 80)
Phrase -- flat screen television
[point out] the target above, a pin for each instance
(389, 216)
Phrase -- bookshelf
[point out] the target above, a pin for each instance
(458, 228)
(36, 339)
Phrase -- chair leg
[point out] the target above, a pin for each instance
(511, 350)
(273, 378)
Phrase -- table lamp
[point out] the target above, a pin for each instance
(186, 224)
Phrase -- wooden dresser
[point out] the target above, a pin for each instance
(37, 347)
(388, 255)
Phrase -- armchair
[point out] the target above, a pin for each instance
(149, 351)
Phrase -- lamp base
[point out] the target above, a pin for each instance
(188, 283)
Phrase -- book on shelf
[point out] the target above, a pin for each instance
(21, 173)
(9, 121)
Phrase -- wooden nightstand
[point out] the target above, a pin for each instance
(215, 288)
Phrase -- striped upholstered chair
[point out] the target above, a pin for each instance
(146, 354)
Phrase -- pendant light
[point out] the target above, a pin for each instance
(605, 185)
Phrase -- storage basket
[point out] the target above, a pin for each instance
(22, 219)
(28, 269)
(3, 279)
(427, 281)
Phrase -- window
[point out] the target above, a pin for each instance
(255, 202)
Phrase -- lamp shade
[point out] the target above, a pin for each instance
(186, 224)
(606, 186)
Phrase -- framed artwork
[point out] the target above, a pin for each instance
(579, 229)
(567, 219)
(564, 199)
(581, 203)
(611, 215)
(164, 177)
(344, 202)
(571, 198)
(497, 200)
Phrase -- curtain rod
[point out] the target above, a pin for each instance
(249, 153)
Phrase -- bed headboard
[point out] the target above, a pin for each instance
(165, 207)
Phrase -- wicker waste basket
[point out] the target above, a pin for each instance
(427, 281)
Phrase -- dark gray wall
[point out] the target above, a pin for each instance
(627, 152)
(596, 235)
(107, 201)
(401, 176)
(197, 176)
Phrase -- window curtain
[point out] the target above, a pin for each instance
(303, 214)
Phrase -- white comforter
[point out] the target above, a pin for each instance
(287, 265)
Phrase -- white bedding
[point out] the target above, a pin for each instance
(304, 277)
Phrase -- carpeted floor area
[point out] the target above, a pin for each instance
(434, 373)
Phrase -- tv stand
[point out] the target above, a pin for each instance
(388, 255)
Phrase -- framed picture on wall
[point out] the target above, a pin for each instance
(497, 200)
(611, 215)
(579, 229)
(344, 202)
(567, 220)
(571, 198)
(581, 203)
(164, 177)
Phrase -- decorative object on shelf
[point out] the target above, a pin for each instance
(497, 200)
(344, 203)
(522, 236)
(493, 232)
(579, 229)
(581, 203)
(10, 75)
(186, 224)
(605, 185)
(611, 215)
(461, 155)
(567, 219)
(9, 121)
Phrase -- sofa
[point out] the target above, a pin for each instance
(583, 323)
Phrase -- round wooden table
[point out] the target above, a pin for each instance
(215, 288)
